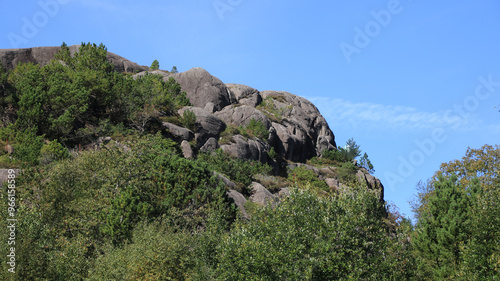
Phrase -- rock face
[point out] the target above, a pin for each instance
(245, 148)
(244, 94)
(43, 55)
(208, 124)
(297, 131)
(242, 115)
(202, 88)
(302, 131)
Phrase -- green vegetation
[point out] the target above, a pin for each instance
(240, 171)
(303, 177)
(255, 128)
(457, 235)
(135, 209)
(155, 65)
(189, 120)
(273, 112)
(345, 154)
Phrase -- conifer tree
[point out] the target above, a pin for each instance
(443, 228)
(155, 65)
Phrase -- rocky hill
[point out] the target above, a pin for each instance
(295, 131)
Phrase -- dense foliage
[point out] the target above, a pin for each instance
(457, 235)
(77, 98)
(132, 208)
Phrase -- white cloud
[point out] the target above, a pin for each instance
(340, 112)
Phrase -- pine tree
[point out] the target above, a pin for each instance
(155, 65)
(443, 228)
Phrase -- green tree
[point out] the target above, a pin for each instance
(155, 65)
(364, 162)
(443, 227)
(482, 163)
(310, 237)
(174, 69)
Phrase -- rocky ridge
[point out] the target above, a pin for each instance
(296, 131)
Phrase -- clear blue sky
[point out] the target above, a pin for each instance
(413, 82)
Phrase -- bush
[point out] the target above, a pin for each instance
(239, 170)
(53, 151)
(307, 237)
(28, 147)
(347, 173)
(189, 120)
(255, 128)
(156, 252)
(304, 177)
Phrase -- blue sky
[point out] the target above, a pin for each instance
(413, 82)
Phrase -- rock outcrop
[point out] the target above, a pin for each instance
(202, 88)
(43, 55)
(297, 131)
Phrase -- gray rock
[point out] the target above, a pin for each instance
(375, 184)
(239, 200)
(332, 183)
(261, 195)
(201, 88)
(156, 72)
(302, 131)
(244, 94)
(208, 124)
(179, 133)
(210, 107)
(187, 151)
(210, 146)
(327, 172)
(244, 148)
(227, 182)
(43, 55)
(242, 115)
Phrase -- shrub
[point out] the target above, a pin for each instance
(239, 170)
(304, 177)
(189, 120)
(156, 252)
(255, 128)
(307, 237)
(52, 151)
(347, 173)
(28, 147)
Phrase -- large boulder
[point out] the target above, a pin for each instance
(244, 148)
(301, 129)
(261, 195)
(245, 94)
(242, 115)
(239, 200)
(178, 133)
(202, 88)
(43, 55)
(209, 125)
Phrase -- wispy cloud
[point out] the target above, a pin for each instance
(340, 112)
